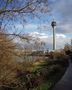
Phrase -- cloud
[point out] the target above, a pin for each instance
(61, 10)
(60, 36)
(64, 7)
(38, 35)
(61, 39)
(65, 28)
(30, 26)
(26, 26)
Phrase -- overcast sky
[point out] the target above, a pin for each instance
(61, 12)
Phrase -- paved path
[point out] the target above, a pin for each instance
(66, 82)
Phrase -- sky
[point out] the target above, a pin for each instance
(61, 12)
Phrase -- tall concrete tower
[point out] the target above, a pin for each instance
(71, 42)
(53, 24)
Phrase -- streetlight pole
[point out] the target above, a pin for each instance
(53, 24)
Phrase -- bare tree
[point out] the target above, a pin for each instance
(22, 6)
(7, 63)
(11, 12)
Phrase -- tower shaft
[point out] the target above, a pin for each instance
(54, 42)
(53, 24)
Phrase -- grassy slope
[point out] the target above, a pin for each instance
(53, 71)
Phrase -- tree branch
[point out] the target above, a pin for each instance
(23, 10)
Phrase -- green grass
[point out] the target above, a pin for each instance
(56, 71)
(45, 86)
